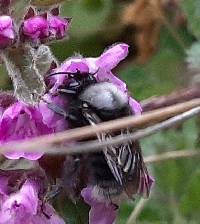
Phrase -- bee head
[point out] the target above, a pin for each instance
(107, 100)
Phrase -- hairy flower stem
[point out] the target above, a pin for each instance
(16, 8)
(45, 3)
(4, 7)
(28, 82)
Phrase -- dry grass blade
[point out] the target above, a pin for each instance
(44, 143)
(91, 146)
(137, 210)
(171, 155)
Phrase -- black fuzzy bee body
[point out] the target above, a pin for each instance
(113, 170)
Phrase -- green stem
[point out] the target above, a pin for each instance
(27, 80)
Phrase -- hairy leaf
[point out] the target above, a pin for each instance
(192, 9)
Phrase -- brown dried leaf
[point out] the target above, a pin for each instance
(146, 18)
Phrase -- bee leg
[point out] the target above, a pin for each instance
(61, 111)
(43, 211)
(54, 192)
(68, 91)
(58, 110)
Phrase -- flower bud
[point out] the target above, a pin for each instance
(35, 28)
(58, 26)
(7, 34)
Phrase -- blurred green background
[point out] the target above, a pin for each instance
(96, 24)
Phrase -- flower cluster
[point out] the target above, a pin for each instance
(24, 206)
(34, 28)
(20, 121)
(25, 202)
(42, 27)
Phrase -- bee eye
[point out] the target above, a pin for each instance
(85, 105)
(74, 84)
(71, 75)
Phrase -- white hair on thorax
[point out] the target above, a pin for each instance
(104, 95)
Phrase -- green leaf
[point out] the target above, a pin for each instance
(190, 205)
(88, 16)
(5, 82)
(159, 76)
(73, 213)
(192, 9)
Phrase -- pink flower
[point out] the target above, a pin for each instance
(25, 207)
(50, 118)
(35, 28)
(7, 33)
(101, 212)
(20, 121)
(58, 26)
(40, 27)
(102, 68)
(135, 106)
(112, 56)
(146, 182)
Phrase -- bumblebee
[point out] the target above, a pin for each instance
(115, 170)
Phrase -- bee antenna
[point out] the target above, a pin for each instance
(70, 73)
(96, 71)
(59, 73)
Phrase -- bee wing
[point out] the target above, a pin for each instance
(125, 162)
(127, 166)
(138, 179)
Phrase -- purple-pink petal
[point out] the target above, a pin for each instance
(1, 111)
(35, 28)
(50, 118)
(71, 65)
(112, 56)
(145, 185)
(58, 26)
(105, 76)
(135, 106)
(5, 22)
(3, 185)
(25, 206)
(20, 121)
(20, 205)
(50, 216)
(101, 211)
(7, 33)
(100, 66)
